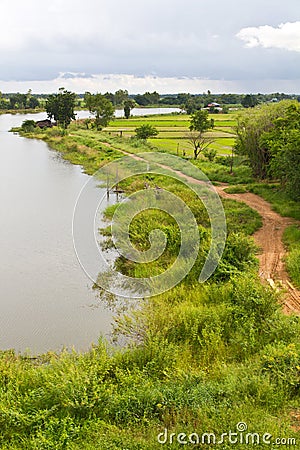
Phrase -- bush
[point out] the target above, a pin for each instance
(282, 363)
(146, 131)
(210, 153)
(28, 126)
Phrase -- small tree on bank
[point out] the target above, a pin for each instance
(128, 106)
(61, 107)
(101, 108)
(199, 124)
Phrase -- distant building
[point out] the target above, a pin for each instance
(45, 123)
(213, 105)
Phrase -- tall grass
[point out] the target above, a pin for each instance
(292, 240)
(198, 358)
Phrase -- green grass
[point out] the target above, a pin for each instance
(203, 365)
(198, 358)
(292, 241)
(221, 173)
(279, 200)
(173, 130)
(237, 189)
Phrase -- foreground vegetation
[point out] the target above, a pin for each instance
(198, 359)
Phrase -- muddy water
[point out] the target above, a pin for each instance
(46, 299)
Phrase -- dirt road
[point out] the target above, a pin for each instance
(269, 239)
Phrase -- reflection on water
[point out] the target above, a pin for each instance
(46, 300)
(45, 296)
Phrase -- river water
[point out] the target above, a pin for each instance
(46, 300)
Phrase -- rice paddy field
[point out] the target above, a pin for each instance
(173, 132)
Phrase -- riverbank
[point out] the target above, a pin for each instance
(21, 111)
(46, 300)
(202, 358)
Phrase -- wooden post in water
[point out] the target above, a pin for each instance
(107, 187)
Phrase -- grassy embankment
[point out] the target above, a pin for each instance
(92, 149)
(22, 111)
(202, 357)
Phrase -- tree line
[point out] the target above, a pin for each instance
(19, 101)
(186, 101)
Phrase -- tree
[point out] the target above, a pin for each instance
(283, 142)
(261, 133)
(128, 106)
(199, 124)
(200, 121)
(199, 142)
(149, 98)
(101, 108)
(61, 107)
(17, 101)
(146, 131)
(120, 97)
(286, 164)
(33, 103)
(249, 101)
(192, 104)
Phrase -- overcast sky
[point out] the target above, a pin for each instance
(167, 45)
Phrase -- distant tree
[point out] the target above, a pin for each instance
(249, 101)
(12, 101)
(182, 98)
(120, 97)
(152, 97)
(17, 101)
(128, 106)
(192, 104)
(141, 100)
(199, 124)
(28, 97)
(61, 107)
(101, 108)
(149, 98)
(110, 96)
(33, 103)
(200, 121)
(146, 131)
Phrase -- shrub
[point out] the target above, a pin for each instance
(28, 126)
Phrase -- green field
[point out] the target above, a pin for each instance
(173, 131)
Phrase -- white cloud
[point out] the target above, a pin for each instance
(286, 36)
(166, 38)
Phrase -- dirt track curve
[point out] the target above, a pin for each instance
(269, 239)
